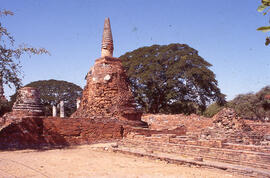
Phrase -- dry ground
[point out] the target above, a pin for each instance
(86, 161)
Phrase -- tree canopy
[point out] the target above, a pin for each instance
(253, 105)
(10, 55)
(171, 79)
(53, 91)
(265, 8)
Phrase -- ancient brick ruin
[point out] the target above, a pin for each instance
(27, 105)
(39, 132)
(107, 113)
(225, 141)
(107, 93)
(28, 102)
(25, 127)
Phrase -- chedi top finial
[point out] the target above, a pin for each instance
(107, 40)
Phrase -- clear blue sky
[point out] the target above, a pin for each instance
(223, 31)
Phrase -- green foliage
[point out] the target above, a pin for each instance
(10, 67)
(171, 79)
(264, 29)
(212, 109)
(265, 8)
(267, 41)
(53, 91)
(253, 106)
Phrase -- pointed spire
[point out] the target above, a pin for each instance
(107, 40)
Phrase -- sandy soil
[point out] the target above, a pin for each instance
(86, 161)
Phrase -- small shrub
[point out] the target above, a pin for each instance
(212, 109)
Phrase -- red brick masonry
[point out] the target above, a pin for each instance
(107, 93)
(39, 131)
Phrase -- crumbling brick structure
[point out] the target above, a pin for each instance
(172, 121)
(27, 105)
(28, 102)
(228, 125)
(107, 92)
(106, 112)
(225, 138)
(37, 132)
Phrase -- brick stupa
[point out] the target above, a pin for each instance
(28, 102)
(107, 93)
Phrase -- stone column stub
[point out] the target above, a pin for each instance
(78, 101)
(62, 109)
(54, 111)
(2, 95)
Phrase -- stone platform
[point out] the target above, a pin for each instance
(170, 158)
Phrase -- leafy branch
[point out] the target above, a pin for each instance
(265, 8)
(10, 55)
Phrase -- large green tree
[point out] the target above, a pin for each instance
(53, 91)
(253, 105)
(171, 79)
(10, 55)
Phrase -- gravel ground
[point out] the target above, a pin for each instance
(88, 161)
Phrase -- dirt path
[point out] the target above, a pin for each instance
(84, 161)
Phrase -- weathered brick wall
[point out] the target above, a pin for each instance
(69, 131)
(228, 125)
(39, 131)
(260, 127)
(21, 132)
(224, 125)
(181, 130)
(193, 123)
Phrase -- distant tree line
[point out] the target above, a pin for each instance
(254, 106)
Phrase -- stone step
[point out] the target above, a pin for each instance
(176, 159)
(251, 158)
